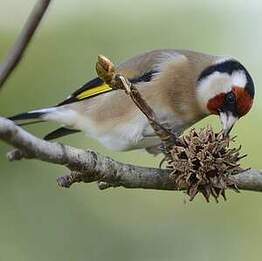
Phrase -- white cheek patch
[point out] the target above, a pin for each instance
(211, 86)
(239, 79)
(218, 83)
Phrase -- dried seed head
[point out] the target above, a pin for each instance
(203, 162)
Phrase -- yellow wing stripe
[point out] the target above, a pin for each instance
(94, 91)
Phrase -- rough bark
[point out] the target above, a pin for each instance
(89, 166)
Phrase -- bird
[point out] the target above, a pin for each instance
(181, 86)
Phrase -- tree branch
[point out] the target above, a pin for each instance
(89, 166)
(16, 53)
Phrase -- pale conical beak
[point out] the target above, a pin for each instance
(227, 120)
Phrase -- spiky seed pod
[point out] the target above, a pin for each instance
(203, 162)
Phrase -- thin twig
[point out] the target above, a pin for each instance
(16, 53)
(167, 137)
(107, 72)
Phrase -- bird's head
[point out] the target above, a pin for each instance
(226, 89)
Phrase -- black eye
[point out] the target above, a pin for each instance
(230, 98)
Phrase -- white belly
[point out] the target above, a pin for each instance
(129, 136)
(137, 134)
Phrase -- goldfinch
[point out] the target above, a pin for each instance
(181, 86)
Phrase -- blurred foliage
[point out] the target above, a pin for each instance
(38, 220)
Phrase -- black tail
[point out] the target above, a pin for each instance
(33, 117)
(30, 117)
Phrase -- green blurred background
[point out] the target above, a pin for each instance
(38, 220)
